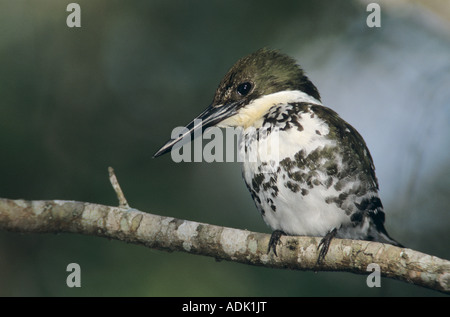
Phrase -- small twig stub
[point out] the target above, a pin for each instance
(115, 184)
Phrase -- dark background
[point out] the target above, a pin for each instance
(74, 101)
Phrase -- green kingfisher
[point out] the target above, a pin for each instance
(309, 172)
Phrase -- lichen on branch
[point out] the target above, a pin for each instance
(171, 234)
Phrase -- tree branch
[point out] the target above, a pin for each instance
(170, 234)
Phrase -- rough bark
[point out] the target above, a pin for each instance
(170, 234)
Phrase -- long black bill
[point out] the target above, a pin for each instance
(208, 118)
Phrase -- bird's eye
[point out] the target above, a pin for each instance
(244, 88)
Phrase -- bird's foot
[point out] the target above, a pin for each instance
(325, 244)
(274, 240)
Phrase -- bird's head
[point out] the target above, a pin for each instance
(249, 89)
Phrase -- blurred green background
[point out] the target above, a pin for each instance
(74, 101)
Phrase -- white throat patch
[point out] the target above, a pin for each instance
(253, 113)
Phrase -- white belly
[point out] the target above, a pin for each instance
(296, 213)
(299, 208)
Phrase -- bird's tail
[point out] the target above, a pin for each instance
(378, 232)
(385, 238)
(382, 236)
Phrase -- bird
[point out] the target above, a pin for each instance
(309, 172)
